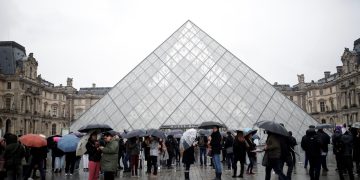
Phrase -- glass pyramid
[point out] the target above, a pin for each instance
(188, 79)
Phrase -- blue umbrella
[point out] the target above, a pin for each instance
(68, 143)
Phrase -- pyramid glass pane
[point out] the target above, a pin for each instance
(190, 78)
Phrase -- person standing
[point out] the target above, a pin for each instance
(134, 148)
(126, 157)
(292, 144)
(239, 148)
(325, 141)
(229, 142)
(343, 146)
(251, 155)
(146, 146)
(311, 144)
(188, 159)
(94, 153)
(356, 149)
(59, 158)
(215, 145)
(109, 157)
(121, 152)
(38, 154)
(13, 155)
(273, 154)
(154, 153)
(70, 160)
(170, 146)
(202, 143)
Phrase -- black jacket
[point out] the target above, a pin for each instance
(311, 144)
(215, 142)
(188, 156)
(325, 140)
(347, 139)
(56, 152)
(251, 147)
(240, 150)
(94, 153)
(229, 141)
(356, 148)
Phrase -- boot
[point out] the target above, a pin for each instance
(187, 176)
(235, 170)
(218, 176)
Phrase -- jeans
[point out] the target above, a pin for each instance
(323, 162)
(154, 164)
(203, 155)
(230, 159)
(217, 163)
(94, 170)
(59, 163)
(125, 161)
(306, 161)
(315, 166)
(15, 172)
(274, 164)
(252, 160)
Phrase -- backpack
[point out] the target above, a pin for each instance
(201, 141)
(313, 146)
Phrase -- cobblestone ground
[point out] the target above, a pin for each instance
(207, 173)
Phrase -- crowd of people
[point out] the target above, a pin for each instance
(108, 153)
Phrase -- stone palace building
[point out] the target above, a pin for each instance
(29, 103)
(335, 98)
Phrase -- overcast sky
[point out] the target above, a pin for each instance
(101, 41)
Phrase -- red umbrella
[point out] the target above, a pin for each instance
(33, 140)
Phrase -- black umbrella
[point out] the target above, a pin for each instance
(99, 127)
(273, 127)
(50, 141)
(175, 131)
(112, 132)
(177, 136)
(210, 125)
(156, 133)
(324, 126)
(135, 133)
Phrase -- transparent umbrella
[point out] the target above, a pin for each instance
(188, 138)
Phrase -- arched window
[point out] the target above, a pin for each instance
(332, 121)
(8, 126)
(323, 121)
(53, 129)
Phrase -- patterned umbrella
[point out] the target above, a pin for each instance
(188, 138)
(33, 140)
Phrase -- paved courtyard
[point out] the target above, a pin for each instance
(207, 173)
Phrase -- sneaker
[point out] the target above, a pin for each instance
(66, 174)
(71, 174)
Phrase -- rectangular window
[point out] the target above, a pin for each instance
(55, 96)
(330, 90)
(8, 103)
(322, 106)
(321, 92)
(9, 85)
(54, 111)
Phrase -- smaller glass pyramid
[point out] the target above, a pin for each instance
(190, 78)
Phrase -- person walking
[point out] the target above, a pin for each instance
(109, 157)
(272, 156)
(202, 143)
(311, 144)
(94, 153)
(239, 148)
(325, 141)
(229, 142)
(134, 148)
(215, 144)
(251, 146)
(188, 159)
(292, 144)
(170, 146)
(13, 155)
(154, 153)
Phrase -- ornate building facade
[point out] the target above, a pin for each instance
(29, 103)
(335, 98)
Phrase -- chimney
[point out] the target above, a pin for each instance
(327, 75)
(339, 69)
(93, 85)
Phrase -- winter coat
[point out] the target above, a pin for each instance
(38, 154)
(325, 140)
(170, 146)
(13, 155)
(273, 148)
(229, 142)
(240, 150)
(109, 159)
(154, 148)
(93, 151)
(251, 147)
(204, 141)
(188, 156)
(215, 142)
(356, 148)
(347, 139)
(134, 148)
(311, 144)
(146, 146)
